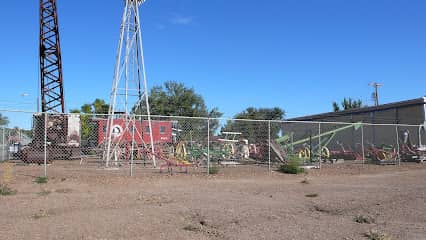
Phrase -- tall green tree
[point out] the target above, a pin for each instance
(3, 120)
(175, 99)
(88, 111)
(98, 106)
(256, 131)
(346, 104)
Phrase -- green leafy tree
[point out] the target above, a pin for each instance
(336, 107)
(88, 111)
(256, 131)
(175, 99)
(98, 106)
(3, 120)
(346, 104)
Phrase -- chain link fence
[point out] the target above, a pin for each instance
(133, 145)
(3, 145)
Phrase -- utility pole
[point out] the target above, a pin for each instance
(375, 94)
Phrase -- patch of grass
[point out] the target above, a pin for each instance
(312, 195)
(213, 170)
(40, 214)
(64, 190)
(6, 190)
(41, 180)
(44, 192)
(364, 219)
(326, 210)
(292, 166)
(321, 209)
(191, 228)
(376, 235)
(305, 181)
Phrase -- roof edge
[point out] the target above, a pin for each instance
(411, 102)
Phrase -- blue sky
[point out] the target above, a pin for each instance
(300, 55)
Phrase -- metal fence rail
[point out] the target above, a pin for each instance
(123, 142)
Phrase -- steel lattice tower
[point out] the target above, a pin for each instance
(129, 87)
(52, 90)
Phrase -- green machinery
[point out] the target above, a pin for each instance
(311, 147)
(221, 149)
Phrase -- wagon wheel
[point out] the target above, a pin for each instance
(228, 151)
(325, 153)
(381, 156)
(305, 153)
(181, 150)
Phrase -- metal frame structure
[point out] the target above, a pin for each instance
(52, 89)
(129, 87)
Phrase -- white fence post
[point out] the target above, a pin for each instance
(208, 146)
(133, 117)
(398, 148)
(3, 145)
(45, 144)
(319, 144)
(362, 144)
(269, 145)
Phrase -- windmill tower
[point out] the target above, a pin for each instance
(129, 89)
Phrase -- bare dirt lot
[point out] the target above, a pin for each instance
(244, 202)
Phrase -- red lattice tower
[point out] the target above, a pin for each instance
(52, 89)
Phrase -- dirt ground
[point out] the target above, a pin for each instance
(243, 202)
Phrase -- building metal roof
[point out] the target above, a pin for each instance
(406, 103)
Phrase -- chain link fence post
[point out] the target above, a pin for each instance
(3, 145)
(45, 144)
(362, 144)
(319, 144)
(133, 121)
(398, 155)
(269, 146)
(208, 146)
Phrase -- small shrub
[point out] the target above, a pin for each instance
(44, 192)
(292, 167)
(376, 235)
(305, 181)
(41, 180)
(213, 170)
(322, 209)
(40, 214)
(312, 195)
(190, 228)
(364, 219)
(64, 190)
(327, 210)
(6, 190)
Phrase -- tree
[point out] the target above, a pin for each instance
(96, 107)
(3, 120)
(346, 104)
(175, 99)
(256, 131)
(89, 111)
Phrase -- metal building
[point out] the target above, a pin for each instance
(380, 127)
(411, 112)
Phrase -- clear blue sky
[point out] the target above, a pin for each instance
(300, 55)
